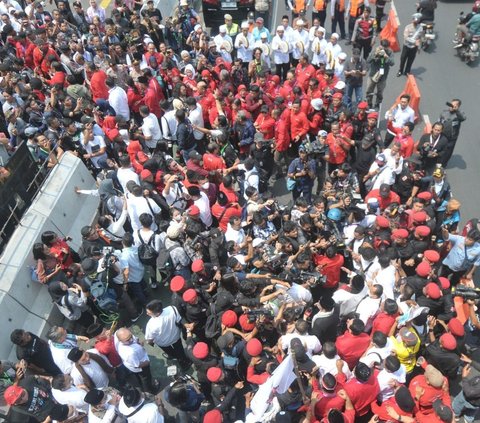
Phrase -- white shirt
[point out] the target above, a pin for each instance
(348, 301)
(92, 369)
(384, 377)
(163, 329)
(304, 38)
(107, 418)
(251, 179)
(401, 116)
(279, 57)
(60, 353)
(72, 396)
(392, 161)
(126, 175)
(332, 52)
(93, 146)
(169, 125)
(176, 196)
(147, 236)
(218, 40)
(311, 342)
(195, 117)
(367, 310)
(329, 365)
(321, 56)
(138, 205)
(204, 205)
(117, 98)
(299, 293)
(147, 414)
(385, 176)
(244, 53)
(151, 129)
(386, 278)
(132, 355)
(233, 235)
(377, 355)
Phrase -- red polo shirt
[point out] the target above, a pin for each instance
(351, 347)
(361, 394)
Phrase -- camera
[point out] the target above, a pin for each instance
(449, 104)
(466, 293)
(274, 261)
(252, 315)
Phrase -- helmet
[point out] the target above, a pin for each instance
(335, 215)
(251, 15)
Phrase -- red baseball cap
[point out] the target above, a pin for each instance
(400, 234)
(198, 265)
(455, 327)
(254, 347)
(362, 105)
(205, 73)
(193, 210)
(177, 283)
(145, 174)
(444, 282)
(229, 318)
(433, 291)
(425, 195)
(213, 416)
(190, 295)
(245, 324)
(432, 256)
(419, 217)
(372, 115)
(382, 222)
(337, 95)
(214, 374)
(423, 269)
(12, 394)
(422, 230)
(242, 88)
(200, 350)
(448, 341)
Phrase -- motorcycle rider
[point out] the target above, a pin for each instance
(427, 9)
(466, 31)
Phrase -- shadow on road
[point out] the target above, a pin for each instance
(457, 162)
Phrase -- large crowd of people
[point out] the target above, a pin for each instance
(352, 301)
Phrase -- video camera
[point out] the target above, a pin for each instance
(312, 278)
(466, 292)
(252, 315)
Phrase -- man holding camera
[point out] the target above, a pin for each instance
(452, 119)
(379, 61)
(302, 169)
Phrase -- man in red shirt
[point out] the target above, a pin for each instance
(338, 147)
(43, 55)
(384, 320)
(330, 265)
(303, 72)
(223, 210)
(326, 393)
(299, 124)
(265, 124)
(384, 195)
(205, 99)
(104, 343)
(97, 82)
(404, 137)
(353, 343)
(195, 163)
(212, 161)
(282, 142)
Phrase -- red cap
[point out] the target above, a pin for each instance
(372, 115)
(455, 327)
(245, 324)
(214, 374)
(448, 341)
(193, 210)
(190, 295)
(142, 157)
(198, 265)
(444, 282)
(362, 105)
(425, 195)
(12, 394)
(254, 347)
(213, 416)
(177, 284)
(422, 230)
(423, 269)
(229, 318)
(205, 73)
(382, 222)
(433, 291)
(145, 174)
(112, 133)
(432, 256)
(200, 350)
(242, 88)
(419, 217)
(337, 95)
(400, 234)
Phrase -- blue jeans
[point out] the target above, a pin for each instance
(349, 90)
(460, 404)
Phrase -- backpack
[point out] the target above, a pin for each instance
(471, 389)
(164, 262)
(262, 180)
(244, 214)
(105, 297)
(146, 253)
(213, 323)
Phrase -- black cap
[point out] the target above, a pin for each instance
(94, 330)
(85, 231)
(384, 190)
(132, 397)
(75, 354)
(94, 397)
(225, 340)
(362, 372)
(444, 412)
(404, 399)
(59, 412)
(283, 417)
(304, 362)
(89, 265)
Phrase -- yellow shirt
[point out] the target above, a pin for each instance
(406, 355)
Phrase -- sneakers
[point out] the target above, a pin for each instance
(134, 319)
(399, 74)
(153, 285)
(458, 45)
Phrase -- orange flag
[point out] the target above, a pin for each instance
(390, 30)
(411, 88)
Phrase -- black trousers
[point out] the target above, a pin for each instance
(143, 379)
(321, 15)
(339, 17)
(456, 276)
(407, 58)
(281, 70)
(364, 45)
(176, 351)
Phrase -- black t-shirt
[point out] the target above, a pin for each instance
(40, 400)
(37, 352)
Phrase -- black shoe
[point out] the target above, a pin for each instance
(399, 74)
(134, 319)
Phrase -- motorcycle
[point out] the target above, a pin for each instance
(428, 35)
(468, 51)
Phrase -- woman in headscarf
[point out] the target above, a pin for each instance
(189, 78)
(72, 303)
(46, 268)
